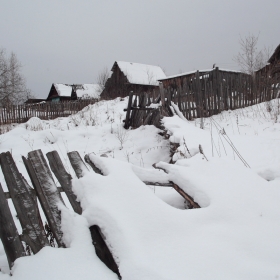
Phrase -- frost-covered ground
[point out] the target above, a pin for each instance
(235, 234)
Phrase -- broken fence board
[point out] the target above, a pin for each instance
(92, 165)
(8, 232)
(46, 190)
(77, 163)
(25, 203)
(101, 248)
(64, 178)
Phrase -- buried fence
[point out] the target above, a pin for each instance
(24, 199)
(45, 110)
(200, 94)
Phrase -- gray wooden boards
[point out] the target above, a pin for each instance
(64, 179)
(92, 165)
(101, 248)
(77, 163)
(25, 203)
(46, 190)
(8, 232)
(102, 251)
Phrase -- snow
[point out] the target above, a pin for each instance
(89, 91)
(235, 233)
(142, 74)
(83, 91)
(63, 90)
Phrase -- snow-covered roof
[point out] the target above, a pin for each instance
(200, 71)
(142, 74)
(89, 91)
(63, 89)
(83, 90)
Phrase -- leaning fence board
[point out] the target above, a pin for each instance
(64, 178)
(77, 163)
(25, 204)
(8, 232)
(101, 248)
(46, 190)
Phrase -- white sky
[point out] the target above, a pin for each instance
(71, 41)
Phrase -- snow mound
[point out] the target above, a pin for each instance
(34, 124)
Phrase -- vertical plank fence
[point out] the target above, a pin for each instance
(45, 111)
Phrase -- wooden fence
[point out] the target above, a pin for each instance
(201, 94)
(45, 111)
(24, 198)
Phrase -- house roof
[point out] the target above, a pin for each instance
(63, 89)
(89, 91)
(275, 54)
(141, 74)
(82, 90)
(200, 71)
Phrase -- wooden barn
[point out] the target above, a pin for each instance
(274, 61)
(178, 81)
(272, 69)
(65, 92)
(128, 76)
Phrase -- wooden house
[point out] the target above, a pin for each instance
(128, 76)
(66, 92)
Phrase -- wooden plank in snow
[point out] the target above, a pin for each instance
(25, 203)
(8, 232)
(77, 163)
(64, 178)
(46, 190)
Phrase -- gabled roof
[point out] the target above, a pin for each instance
(141, 74)
(89, 91)
(275, 54)
(63, 89)
(82, 90)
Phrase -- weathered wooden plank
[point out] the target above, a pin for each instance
(46, 190)
(77, 163)
(101, 249)
(25, 204)
(64, 178)
(95, 169)
(127, 119)
(8, 232)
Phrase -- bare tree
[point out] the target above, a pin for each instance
(12, 83)
(250, 59)
(102, 78)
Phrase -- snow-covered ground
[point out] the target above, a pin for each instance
(236, 181)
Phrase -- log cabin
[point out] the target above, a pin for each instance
(128, 76)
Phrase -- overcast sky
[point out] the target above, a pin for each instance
(67, 41)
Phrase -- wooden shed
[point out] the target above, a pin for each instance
(128, 76)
